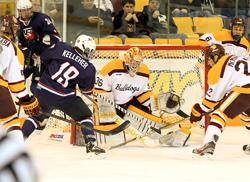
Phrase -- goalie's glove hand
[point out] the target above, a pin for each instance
(30, 105)
(196, 113)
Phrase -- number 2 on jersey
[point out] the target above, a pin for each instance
(65, 73)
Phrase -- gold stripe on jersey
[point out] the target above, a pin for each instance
(15, 121)
(99, 90)
(145, 114)
(217, 71)
(228, 101)
(242, 90)
(117, 65)
(3, 83)
(209, 104)
(144, 97)
(17, 87)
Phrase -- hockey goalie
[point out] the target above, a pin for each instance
(123, 91)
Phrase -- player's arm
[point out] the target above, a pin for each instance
(218, 80)
(17, 86)
(87, 81)
(51, 35)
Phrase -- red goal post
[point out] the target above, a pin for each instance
(179, 68)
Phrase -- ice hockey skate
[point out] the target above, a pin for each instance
(208, 148)
(94, 152)
(246, 149)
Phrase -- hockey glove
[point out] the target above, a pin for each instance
(30, 105)
(196, 113)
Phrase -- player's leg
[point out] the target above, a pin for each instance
(232, 106)
(245, 117)
(8, 114)
(78, 110)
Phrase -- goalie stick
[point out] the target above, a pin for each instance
(114, 131)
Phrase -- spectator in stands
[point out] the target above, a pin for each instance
(117, 4)
(156, 21)
(105, 5)
(36, 5)
(127, 23)
(85, 19)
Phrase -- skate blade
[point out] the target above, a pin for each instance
(203, 156)
(93, 156)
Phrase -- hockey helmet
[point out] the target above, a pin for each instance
(24, 8)
(9, 25)
(238, 28)
(214, 53)
(86, 45)
(23, 4)
(133, 58)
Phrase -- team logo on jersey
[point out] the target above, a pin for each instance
(127, 87)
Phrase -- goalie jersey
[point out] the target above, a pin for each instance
(11, 66)
(225, 39)
(114, 78)
(230, 73)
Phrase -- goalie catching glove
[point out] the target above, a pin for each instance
(30, 105)
(167, 102)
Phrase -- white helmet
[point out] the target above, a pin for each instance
(87, 45)
(23, 4)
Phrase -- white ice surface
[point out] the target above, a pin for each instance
(62, 162)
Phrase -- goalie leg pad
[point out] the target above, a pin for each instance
(177, 138)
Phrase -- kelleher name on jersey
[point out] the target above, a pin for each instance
(75, 57)
(126, 87)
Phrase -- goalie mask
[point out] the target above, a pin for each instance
(213, 53)
(86, 46)
(133, 59)
(238, 28)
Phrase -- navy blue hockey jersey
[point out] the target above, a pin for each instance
(65, 68)
(40, 25)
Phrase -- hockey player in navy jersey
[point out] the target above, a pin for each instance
(36, 34)
(67, 67)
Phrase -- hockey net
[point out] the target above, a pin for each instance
(173, 68)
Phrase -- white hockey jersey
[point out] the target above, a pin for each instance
(225, 39)
(230, 73)
(114, 78)
(11, 75)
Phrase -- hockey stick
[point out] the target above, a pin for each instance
(163, 127)
(114, 131)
